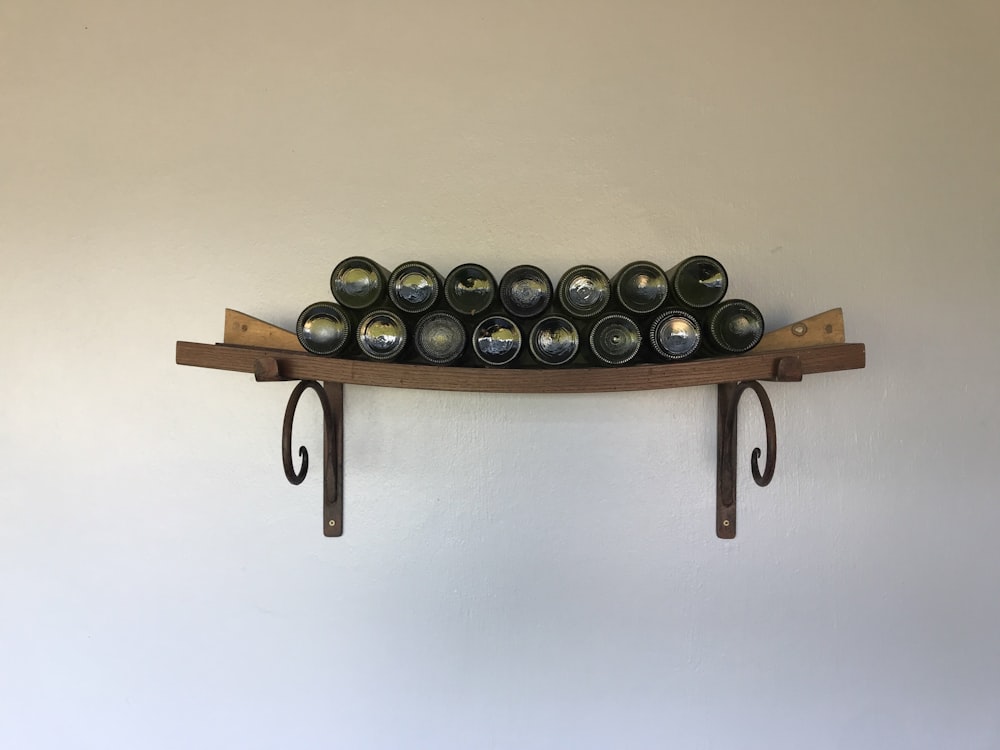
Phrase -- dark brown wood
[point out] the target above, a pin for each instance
(266, 370)
(789, 370)
(751, 366)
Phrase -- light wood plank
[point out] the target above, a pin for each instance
(819, 330)
(245, 330)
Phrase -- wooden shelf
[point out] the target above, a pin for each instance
(302, 366)
(811, 346)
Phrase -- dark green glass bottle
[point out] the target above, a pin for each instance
(733, 327)
(641, 287)
(324, 328)
(675, 335)
(358, 283)
(698, 281)
(525, 291)
(554, 341)
(470, 289)
(382, 335)
(496, 341)
(584, 291)
(615, 340)
(439, 338)
(414, 287)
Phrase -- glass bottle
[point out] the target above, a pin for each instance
(324, 328)
(733, 327)
(641, 287)
(584, 291)
(675, 335)
(615, 339)
(496, 341)
(525, 291)
(554, 341)
(439, 338)
(470, 289)
(358, 282)
(698, 281)
(414, 287)
(382, 335)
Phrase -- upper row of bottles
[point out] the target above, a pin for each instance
(525, 291)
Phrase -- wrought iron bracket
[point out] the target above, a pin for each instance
(786, 370)
(729, 400)
(331, 399)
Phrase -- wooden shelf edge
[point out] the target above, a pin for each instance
(302, 366)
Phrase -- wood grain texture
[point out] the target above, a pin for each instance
(245, 330)
(819, 330)
(301, 366)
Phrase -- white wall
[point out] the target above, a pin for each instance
(517, 571)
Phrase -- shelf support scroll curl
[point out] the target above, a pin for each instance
(331, 398)
(729, 399)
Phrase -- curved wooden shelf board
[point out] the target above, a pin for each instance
(301, 366)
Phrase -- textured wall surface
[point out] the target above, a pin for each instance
(517, 571)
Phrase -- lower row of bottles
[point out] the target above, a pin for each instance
(496, 340)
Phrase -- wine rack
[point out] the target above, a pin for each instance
(811, 346)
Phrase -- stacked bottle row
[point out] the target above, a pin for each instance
(642, 313)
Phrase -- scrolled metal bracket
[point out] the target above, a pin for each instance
(331, 399)
(729, 399)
